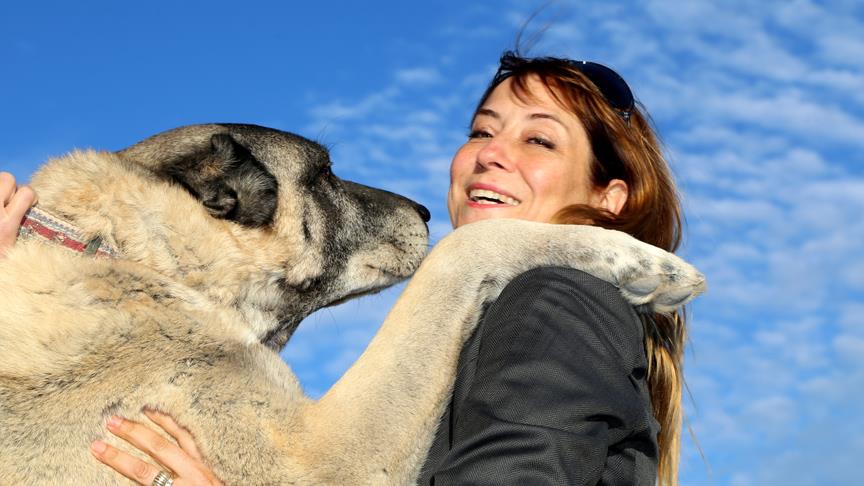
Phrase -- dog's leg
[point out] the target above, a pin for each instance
(379, 418)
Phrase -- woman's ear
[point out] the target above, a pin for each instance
(612, 197)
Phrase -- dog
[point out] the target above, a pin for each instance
(203, 249)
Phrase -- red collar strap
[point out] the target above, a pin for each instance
(40, 224)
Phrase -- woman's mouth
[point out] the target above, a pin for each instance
(486, 196)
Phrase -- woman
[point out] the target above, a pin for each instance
(561, 383)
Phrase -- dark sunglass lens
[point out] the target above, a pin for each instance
(611, 85)
(614, 88)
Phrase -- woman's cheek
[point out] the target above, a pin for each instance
(451, 206)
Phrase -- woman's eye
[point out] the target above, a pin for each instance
(542, 142)
(479, 134)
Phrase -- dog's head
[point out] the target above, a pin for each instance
(309, 239)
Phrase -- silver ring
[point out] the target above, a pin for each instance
(162, 479)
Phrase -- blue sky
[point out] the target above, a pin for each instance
(760, 105)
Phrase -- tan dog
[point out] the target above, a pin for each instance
(227, 236)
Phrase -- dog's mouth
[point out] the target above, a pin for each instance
(354, 295)
(390, 279)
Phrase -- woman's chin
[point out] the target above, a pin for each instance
(472, 215)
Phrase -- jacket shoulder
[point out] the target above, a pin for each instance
(569, 303)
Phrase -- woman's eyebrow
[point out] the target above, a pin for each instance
(488, 112)
(547, 116)
(534, 116)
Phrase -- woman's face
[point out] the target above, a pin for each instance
(523, 160)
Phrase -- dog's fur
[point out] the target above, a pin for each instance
(229, 235)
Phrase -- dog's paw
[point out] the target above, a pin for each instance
(649, 278)
(653, 279)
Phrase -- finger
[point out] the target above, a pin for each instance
(127, 465)
(179, 433)
(159, 448)
(10, 216)
(7, 187)
(21, 201)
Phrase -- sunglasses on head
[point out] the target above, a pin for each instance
(611, 85)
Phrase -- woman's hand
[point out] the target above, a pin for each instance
(183, 463)
(15, 202)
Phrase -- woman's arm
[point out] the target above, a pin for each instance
(557, 395)
(15, 202)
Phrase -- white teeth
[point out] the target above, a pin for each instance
(484, 196)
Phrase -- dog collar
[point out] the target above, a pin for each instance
(40, 224)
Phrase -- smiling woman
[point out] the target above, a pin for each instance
(557, 140)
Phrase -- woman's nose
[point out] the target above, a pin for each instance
(495, 154)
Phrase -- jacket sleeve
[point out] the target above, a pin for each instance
(554, 387)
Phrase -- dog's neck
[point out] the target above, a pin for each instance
(163, 228)
(42, 225)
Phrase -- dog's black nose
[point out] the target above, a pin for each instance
(423, 212)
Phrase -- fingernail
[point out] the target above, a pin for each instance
(98, 446)
(114, 421)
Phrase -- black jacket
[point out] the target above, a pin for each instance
(550, 389)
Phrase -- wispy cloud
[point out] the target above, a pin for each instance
(337, 110)
(418, 75)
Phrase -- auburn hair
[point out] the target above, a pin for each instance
(626, 148)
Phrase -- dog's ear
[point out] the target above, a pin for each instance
(229, 181)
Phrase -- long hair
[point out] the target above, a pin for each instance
(623, 146)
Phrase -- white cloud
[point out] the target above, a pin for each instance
(850, 348)
(793, 112)
(843, 49)
(337, 110)
(418, 75)
(852, 317)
